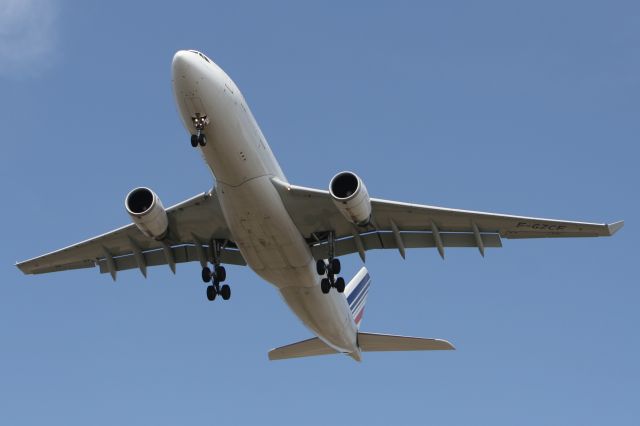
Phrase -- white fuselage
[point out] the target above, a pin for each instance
(244, 166)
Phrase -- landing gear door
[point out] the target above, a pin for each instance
(195, 107)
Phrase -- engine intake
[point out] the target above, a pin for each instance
(147, 212)
(350, 196)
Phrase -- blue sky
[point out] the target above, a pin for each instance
(514, 107)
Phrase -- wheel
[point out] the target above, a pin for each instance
(194, 141)
(202, 139)
(211, 293)
(225, 292)
(335, 266)
(206, 274)
(325, 285)
(340, 284)
(321, 267)
(221, 273)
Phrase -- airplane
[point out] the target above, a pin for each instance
(291, 236)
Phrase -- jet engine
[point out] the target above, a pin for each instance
(351, 197)
(147, 212)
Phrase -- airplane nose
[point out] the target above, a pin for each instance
(181, 63)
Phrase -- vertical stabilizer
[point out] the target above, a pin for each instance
(356, 292)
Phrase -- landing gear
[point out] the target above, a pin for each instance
(211, 293)
(198, 139)
(217, 276)
(221, 273)
(335, 266)
(331, 269)
(325, 285)
(225, 292)
(206, 274)
(215, 289)
(199, 122)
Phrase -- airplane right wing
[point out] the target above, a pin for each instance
(193, 225)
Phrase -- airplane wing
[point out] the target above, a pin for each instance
(401, 226)
(193, 224)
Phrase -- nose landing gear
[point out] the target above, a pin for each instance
(199, 122)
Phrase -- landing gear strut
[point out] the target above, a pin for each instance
(331, 268)
(217, 276)
(199, 122)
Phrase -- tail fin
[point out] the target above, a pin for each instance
(356, 292)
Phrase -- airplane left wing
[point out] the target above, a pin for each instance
(193, 224)
(401, 226)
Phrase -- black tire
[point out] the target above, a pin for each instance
(211, 293)
(325, 285)
(194, 140)
(321, 267)
(340, 285)
(206, 274)
(335, 266)
(202, 139)
(221, 273)
(225, 292)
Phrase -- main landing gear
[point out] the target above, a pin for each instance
(216, 276)
(199, 122)
(331, 269)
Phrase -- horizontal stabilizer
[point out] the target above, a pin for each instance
(374, 342)
(368, 342)
(615, 227)
(310, 347)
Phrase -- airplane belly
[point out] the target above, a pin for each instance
(265, 234)
(274, 248)
(327, 315)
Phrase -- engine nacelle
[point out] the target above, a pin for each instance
(351, 197)
(147, 212)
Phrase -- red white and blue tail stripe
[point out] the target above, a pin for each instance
(356, 292)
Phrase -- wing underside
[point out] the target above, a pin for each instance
(194, 225)
(197, 225)
(403, 226)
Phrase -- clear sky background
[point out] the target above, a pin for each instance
(516, 107)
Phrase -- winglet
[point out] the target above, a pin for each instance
(615, 227)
